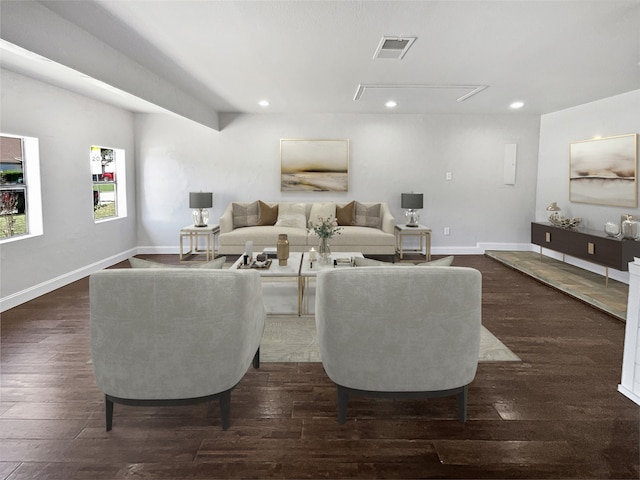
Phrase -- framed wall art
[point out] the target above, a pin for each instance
(604, 171)
(314, 165)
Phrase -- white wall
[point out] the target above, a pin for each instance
(389, 154)
(616, 115)
(66, 125)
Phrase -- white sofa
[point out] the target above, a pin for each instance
(376, 239)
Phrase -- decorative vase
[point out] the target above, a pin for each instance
(282, 249)
(631, 228)
(324, 251)
(612, 229)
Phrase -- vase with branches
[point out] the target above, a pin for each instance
(325, 228)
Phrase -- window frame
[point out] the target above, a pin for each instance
(118, 182)
(31, 185)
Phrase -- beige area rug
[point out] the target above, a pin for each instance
(289, 338)
(294, 339)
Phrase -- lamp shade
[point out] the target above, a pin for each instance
(200, 199)
(411, 201)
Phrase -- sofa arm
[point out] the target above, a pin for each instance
(226, 220)
(387, 221)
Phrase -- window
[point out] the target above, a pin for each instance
(107, 173)
(20, 200)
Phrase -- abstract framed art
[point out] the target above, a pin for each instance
(604, 171)
(314, 165)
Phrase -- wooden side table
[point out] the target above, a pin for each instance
(194, 233)
(422, 232)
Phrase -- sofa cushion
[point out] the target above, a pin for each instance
(263, 237)
(354, 237)
(214, 264)
(346, 214)
(322, 210)
(367, 215)
(245, 214)
(292, 215)
(267, 215)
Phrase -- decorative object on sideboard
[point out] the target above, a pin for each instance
(631, 228)
(612, 229)
(553, 208)
(283, 249)
(412, 202)
(564, 222)
(200, 201)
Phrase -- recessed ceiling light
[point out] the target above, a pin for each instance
(516, 105)
(391, 104)
(263, 103)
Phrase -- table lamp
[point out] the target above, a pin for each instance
(411, 202)
(200, 201)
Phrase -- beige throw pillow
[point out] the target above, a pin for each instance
(292, 215)
(322, 210)
(441, 262)
(367, 216)
(346, 214)
(244, 214)
(267, 215)
(369, 262)
(140, 263)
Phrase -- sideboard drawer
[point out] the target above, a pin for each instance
(590, 245)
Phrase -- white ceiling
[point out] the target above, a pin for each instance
(312, 56)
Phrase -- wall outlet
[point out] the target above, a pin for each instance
(447, 231)
(449, 176)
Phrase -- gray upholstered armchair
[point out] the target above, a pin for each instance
(173, 336)
(393, 331)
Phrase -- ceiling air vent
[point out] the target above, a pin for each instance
(393, 47)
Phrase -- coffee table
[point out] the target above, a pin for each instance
(308, 272)
(290, 270)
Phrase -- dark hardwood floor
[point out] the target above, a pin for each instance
(556, 414)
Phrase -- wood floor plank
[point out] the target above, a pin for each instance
(555, 414)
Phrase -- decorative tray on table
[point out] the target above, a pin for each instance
(255, 264)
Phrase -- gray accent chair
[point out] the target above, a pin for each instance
(399, 332)
(173, 336)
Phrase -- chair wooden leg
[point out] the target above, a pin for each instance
(256, 359)
(462, 404)
(225, 409)
(108, 412)
(343, 400)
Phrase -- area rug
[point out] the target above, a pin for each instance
(289, 339)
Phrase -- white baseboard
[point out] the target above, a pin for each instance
(35, 291)
(480, 248)
(629, 394)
